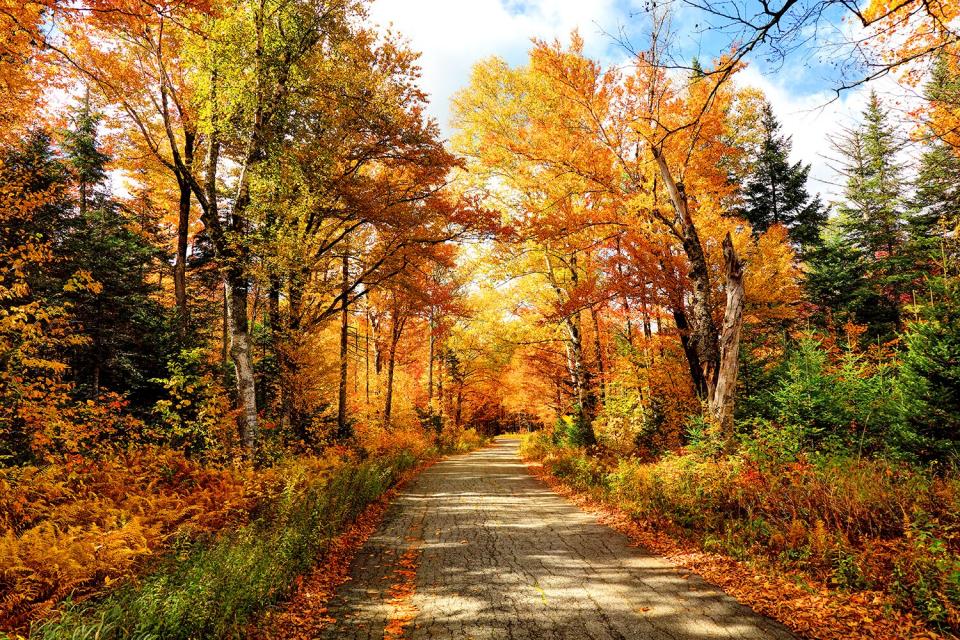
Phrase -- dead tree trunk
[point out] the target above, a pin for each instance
(724, 392)
(716, 352)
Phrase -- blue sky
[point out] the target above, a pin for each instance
(454, 34)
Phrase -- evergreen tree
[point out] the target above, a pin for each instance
(83, 149)
(837, 278)
(129, 338)
(935, 206)
(930, 376)
(776, 191)
(872, 213)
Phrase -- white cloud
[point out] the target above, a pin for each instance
(813, 120)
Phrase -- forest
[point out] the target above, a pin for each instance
(249, 289)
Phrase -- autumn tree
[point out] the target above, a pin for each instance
(888, 36)
(34, 330)
(515, 128)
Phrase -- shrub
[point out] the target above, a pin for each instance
(210, 589)
(851, 521)
(195, 415)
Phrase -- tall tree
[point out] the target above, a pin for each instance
(776, 190)
(872, 212)
(127, 327)
(934, 209)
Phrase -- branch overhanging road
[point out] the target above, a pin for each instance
(479, 548)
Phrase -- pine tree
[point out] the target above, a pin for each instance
(83, 149)
(872, 214)
(128, 330)
(935, 207)
(837, 278)
(776, 191)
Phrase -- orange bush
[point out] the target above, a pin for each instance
(74, 528)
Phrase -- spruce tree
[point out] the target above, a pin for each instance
(935, 206)
(128, 330)
(837, 278)
(82, 146)
(776, 190)
(872, 215)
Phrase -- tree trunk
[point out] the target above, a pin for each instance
(183, 235)
(717, 353)
(645, 313)
(430, 367)
(440, 376)
(240, 353)
(458, 412)
(225, 338)
(344, 338)
(278, 339)
(724, 392)
(703, 333)
(366, 351)
(598, 354)
(388, 397)
(693, 361)
(581, 379)
(397, 322)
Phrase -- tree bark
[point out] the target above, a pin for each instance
(430, 367)
(183, 235)
(724, 392)
(344, 343)
(598, 354)
(693, 361)
(388, 396)
(240, 353)
(285, 364)
(716, 352)
(396, 330)
(703, 334)
(580, 377)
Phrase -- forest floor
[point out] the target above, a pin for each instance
(477, 547)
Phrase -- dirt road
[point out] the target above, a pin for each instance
(479, 548)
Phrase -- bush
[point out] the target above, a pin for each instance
(574, 430)
(195, 416)
(851, 521)
(211, 589)
(926, 577)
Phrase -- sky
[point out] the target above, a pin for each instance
(452, 35)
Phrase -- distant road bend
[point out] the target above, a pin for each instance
(488, 551)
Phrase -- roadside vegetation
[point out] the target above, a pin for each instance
(246, 283)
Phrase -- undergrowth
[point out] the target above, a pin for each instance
(153, 545)
(212, 590)
(854, 523)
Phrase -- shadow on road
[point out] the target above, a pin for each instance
(502, 556)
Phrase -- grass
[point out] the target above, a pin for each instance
(853, 523)
(212, 589)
